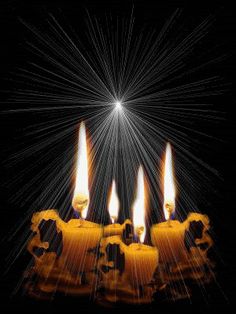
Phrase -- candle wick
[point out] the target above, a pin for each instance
(139, 244)
(113, 220)
(82, 221)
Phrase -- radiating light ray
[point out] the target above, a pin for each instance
(139, 207)
(73, 81)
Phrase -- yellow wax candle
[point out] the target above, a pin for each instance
(168, 237)
(115, 229)
(80, 238)
(113, 208)
(112, 230)
(140, 260)
(80, 200)
(140, 263)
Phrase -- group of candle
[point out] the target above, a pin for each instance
(83, 239)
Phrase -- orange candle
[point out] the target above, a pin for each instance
(113, 208)
(168, 236)
(80, 200)
(140, 260)
(81, 237)
(140, 263)
(80, 240)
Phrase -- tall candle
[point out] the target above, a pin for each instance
(81, 237)
(169, 236)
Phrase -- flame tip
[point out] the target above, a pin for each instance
(169, 187)
(139, 206)
(114, 204)
(80, 201)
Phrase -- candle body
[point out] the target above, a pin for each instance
(115, 229)
(112, 230)
(168, 237)
(80, 240)
(140, 263)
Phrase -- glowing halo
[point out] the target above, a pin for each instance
(118, 105)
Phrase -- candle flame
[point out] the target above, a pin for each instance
(81, 193)
(169, 187)
(139, 207)
(113, 203)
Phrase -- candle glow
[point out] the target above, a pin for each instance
(93, 253)
(139, 207)
(169, 187)
(113, 203)
(120, 86)
(80, 201)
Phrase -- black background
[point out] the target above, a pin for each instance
(221, 208)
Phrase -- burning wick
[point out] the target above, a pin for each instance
(113, 203)
(139, 208)
(169, 187)
(80, 200)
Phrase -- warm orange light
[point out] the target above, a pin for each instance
(81, 194)
(139, 207)
(114, 204)
(169, 187)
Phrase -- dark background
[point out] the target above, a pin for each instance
(221, 204)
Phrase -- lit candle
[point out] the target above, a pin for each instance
(169, 236)
(77, 242)
(140, 260)
(114, 203)
(80, 237)
(80, 200)
(113, 208)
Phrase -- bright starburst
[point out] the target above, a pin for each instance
(134, 92)
(139, 78)
(118, 105)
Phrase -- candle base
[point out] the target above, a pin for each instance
(109, 270)
(177, 263)
(117, 265)
(73, 271)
